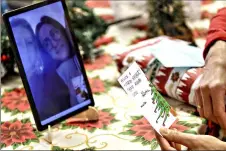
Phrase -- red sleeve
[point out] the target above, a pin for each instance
(217, 30)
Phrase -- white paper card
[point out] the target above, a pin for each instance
(175, 54)
(135, 83)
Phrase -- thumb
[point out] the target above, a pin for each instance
(187, 140)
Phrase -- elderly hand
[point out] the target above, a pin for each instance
(193, 142)
(209, 96)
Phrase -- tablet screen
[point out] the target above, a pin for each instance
(50, 62)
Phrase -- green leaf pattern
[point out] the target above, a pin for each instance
(162, 104)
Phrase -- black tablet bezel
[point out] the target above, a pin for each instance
(6, 17)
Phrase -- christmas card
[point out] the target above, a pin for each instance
(152, 104)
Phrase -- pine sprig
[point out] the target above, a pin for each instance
(167, 18)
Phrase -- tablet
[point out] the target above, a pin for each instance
(49, 61)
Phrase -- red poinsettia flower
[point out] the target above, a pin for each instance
(97, 85)
(103, 41)
(143, 128)
(16, 132)
(99, 63)
(16, 99)
(105, 119)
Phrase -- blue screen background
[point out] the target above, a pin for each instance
(51, 66)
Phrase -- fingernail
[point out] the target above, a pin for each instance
(164, 131)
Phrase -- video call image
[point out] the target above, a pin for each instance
(49, 60)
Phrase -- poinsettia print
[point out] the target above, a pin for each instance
(103, 41)
(97, 85)
(144, 132)
(55, 148)
(100, 62)
(18, 133)
(15, 101)
(105, 119)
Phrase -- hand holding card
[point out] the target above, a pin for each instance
(153, 106)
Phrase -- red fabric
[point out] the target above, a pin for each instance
(217, 30)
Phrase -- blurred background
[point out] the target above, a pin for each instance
(183, 19)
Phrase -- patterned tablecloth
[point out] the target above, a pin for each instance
(120, 126)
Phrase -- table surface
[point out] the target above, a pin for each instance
(120, 126)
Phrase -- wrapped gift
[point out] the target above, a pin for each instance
(175, 82)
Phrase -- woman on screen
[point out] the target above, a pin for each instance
(55, 42)
(28, 50)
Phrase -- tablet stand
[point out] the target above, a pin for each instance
(89, 115)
